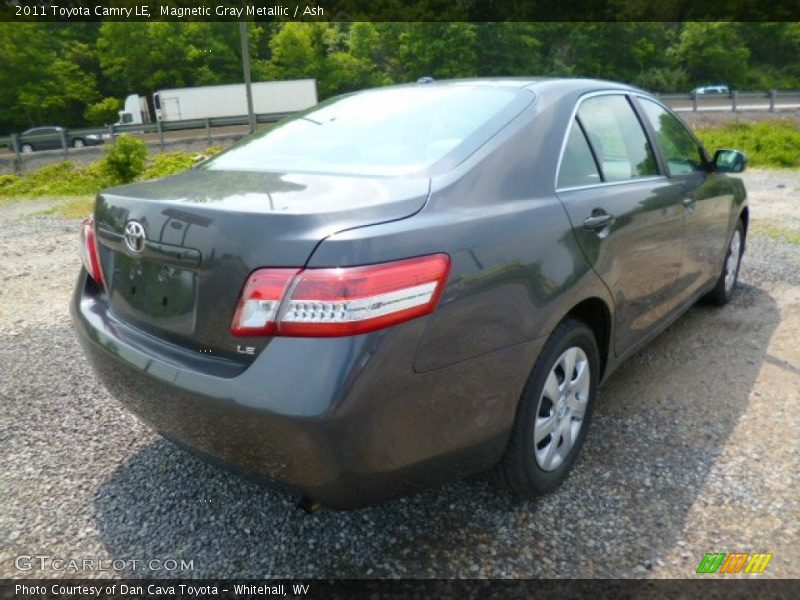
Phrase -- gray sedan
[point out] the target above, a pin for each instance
(410, 284)
(49, 138)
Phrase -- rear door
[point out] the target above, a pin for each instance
(53, 142)
(624, 212)
(705, 197)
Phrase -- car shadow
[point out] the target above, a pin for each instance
(660, 425)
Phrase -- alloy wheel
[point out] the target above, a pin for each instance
(562, 406)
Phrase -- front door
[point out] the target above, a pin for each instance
(706, 198)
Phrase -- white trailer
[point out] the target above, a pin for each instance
(269, 97)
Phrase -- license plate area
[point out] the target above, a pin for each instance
(156, 294)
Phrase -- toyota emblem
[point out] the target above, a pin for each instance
(134, 236)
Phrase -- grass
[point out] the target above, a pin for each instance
(80, 183)
(769, 144)
(59, 179)
(78, 207)
(778, 233)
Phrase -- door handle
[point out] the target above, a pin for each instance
(598, 220)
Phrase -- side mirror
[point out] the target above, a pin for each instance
(730, 161)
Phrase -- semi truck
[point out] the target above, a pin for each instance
(210, 101)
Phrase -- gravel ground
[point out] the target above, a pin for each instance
(695, 447)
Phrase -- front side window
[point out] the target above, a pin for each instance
(578, 166)
(617, 138)
(682, 153)
(386, 132)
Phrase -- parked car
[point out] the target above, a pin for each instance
(712, 90)
(49, 138)
(410, 284)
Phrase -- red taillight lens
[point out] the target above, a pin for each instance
(89, 251)
(258, 306)
(337, 302)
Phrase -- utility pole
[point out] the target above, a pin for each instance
(248, 84)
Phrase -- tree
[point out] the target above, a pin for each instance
(440, 50)
(41, 82)
(103, 112)
(294, 53)
(65, 74)
(508, 49)
(714, 52)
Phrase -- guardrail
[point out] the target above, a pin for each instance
(772, 100)
(64, 139)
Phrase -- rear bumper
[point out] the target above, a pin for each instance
(345, 421)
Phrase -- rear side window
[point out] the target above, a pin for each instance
(617, 137)
(578, 166)
(683, 154)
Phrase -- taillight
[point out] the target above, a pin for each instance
(342, 301)
(89, 251)
(258, 306)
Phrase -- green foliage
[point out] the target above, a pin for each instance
(67, 73)
(440, 50)
(767, 144)
(713, 52)
(8, 180)
(71, 179)
(41, 79)
(103, 112)
(59, 179)
(663, 79)
(168, 163)
(124, 160)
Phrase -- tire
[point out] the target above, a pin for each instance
(78, 143)
(723, 290)
(532, 465)
(27, 148)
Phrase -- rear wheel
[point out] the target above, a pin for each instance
(554, 413)
(27, 148)
(78, 143)
(723, 291)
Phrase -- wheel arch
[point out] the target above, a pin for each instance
(744, 217)
(596, 314)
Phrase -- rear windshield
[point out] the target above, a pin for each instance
(387, 132)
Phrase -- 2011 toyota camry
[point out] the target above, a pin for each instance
(408, 285)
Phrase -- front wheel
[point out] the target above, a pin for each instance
(553, 414)
(78, 143)
(27, 148)
(723, 291)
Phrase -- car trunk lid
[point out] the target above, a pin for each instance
(205, 231)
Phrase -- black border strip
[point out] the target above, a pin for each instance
(402, 10)
(705, 587)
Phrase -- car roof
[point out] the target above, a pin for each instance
(554, 85)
